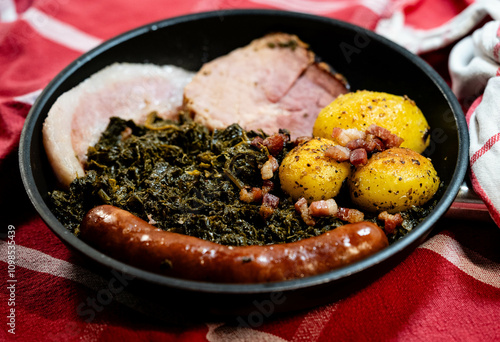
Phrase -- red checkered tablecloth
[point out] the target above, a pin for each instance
(448, 289)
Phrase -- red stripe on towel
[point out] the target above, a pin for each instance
(486, 147)
(495, 215)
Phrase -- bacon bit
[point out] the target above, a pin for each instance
(374, 144)
(302, 140)
(390, 140)
(302, 208)
(393, 141)
(269, 204)
(126, 133)
(381, 132)
(358, 157)
(360, 144)
(370, 144)
(339, 136)
(350, 215)
(249, 195)
(338, 153)
(271, 200)
(356, 143)
(323, 208)
(151, 220)
(257, 142)
(269, 168)
(390, 221)
(265, 211)
(285, 133)
(301, 204)
(343, 136)
(275, 143)
(267, 186)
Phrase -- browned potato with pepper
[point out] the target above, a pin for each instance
(307, 172)
(360, 109)
(394, 180)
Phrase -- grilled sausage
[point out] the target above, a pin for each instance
(126, 237)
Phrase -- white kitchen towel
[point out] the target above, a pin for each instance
(474, 65)
(474, 60)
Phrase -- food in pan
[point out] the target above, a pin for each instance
(136, 242)
(360, 109)
(182, 177)
(79, 116)
(199, 197)
(308, 172)
(394, 180)
(272, 83)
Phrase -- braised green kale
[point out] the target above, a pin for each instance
(184, 178)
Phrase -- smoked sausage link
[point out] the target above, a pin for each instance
(127, 238)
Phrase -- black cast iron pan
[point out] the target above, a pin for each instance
(367, 60)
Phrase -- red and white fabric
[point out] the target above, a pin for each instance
(475, 68)
(434, 29)
(447, 289)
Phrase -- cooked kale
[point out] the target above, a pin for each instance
(185, 178)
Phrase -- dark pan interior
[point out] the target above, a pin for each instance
(365, 59)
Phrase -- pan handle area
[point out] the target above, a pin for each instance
(468, 205)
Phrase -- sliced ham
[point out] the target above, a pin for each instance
(272, 83)
(129, 91)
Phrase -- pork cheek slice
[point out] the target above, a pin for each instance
(274, 82)
(129, 91)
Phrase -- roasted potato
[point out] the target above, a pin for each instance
(307, 172)
(360, 109)
(393, 180)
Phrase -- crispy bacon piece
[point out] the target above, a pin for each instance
(151, 220)
(285, 132)
(267, 186)
(126, 133)
(302, 208)
(339, 136)
(356, 143)
(374, 144)
(393, 141)
(249, 195)
(275, 143)
(378, 131)
(390, 140)
(257, 142)
(358, 157)
(370, 143)
(269, 204)
(343, 136)
(361, 144)
(323, 208)
(338, 153)
(302, 140)
(390, 221)
(350, 215)
(269, 168)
